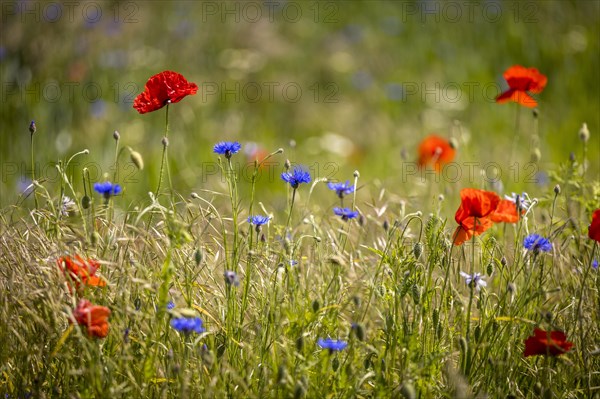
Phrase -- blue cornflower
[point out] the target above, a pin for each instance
(258, 220)
(298, 175)
(231, 278)
(227, 148)
(341, 189)
(476, 280)
(332, 344)
(187, 324)
(345, 213)
(170, 305)
(595, 264)
(107, 189)
(537, 243)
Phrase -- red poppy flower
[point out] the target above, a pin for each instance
(506, 212)
(551, 343)
(594, 229)
(474, 214)
(94, 318)
(522, 81)
(162, 89)
(437, 151)
(81, 271)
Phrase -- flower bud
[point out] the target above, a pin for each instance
(198, 257)
(356, 174)
(137, 159)
(85, 202)
(584, 133)
(417, 249)
(165, 142)
(316, 306)
(359, 331)
(557, 189)
(32, 127)
(536, 113)
(116, 135)
(287, 165)
(453, 143)
(536, 155)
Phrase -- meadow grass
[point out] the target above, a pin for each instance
(392, 291)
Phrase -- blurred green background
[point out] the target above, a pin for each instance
(354, 84)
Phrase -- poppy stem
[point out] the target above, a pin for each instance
(516, 136)
(165, 143)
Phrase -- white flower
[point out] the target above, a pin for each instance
(67, 205)
(523, 199)
(475, 279)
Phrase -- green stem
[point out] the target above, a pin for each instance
(287, 224)
(33, 174)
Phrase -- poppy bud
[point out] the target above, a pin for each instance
(94, 238)
(165, 142)
(356, 174)
(536, 113)
(116, 135)
(316, 306)
(85, 202)
(198, 257)
(536, 155)
(453, 143)
(137, 159)
(299, 343)
(417, 249)
(386, 225)
(557, 189)
(287, 165)
(584, 133)
(32, 128)
(503, 261)
(490, 268)
(359, 331)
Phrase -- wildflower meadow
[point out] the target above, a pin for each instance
(300, 199)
